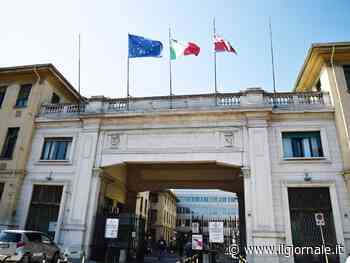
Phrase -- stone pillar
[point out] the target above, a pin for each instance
(260, 183)
(84, 184)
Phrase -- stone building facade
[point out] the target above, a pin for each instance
(272, 150)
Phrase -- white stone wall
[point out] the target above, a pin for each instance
(325, 172)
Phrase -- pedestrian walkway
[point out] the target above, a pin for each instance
(167, 258)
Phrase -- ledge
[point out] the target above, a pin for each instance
(305, 160)
(54, 162)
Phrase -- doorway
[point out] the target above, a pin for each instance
(44, 208)
(304, 203)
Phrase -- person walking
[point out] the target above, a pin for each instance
(162, 248)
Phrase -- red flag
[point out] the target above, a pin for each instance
(192, 48)
(221, 45)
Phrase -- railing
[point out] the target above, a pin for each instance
(229, 99)
(117, 105)
(62, 108)
(249, 99)
(290, 98)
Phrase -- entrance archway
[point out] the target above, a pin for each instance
(122, 182)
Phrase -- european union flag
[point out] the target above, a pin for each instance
(142, 47)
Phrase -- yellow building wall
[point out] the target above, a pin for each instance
(13, 170)
(341, 100)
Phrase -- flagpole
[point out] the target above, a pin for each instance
(127, 79)
(215, 80)
(273, 65)
(170, 72)
(79, 62)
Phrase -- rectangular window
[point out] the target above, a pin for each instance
(2, 94)
(2, 186)
(347, 76)
(23, 95)
(56, 148)
(141, 204)
(10, 143)
(302, 144)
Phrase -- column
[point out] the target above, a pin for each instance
(84, 188)
(260, 183)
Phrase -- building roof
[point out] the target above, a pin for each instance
(318, 54)
(43, 67)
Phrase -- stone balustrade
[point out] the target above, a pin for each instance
(250, 98)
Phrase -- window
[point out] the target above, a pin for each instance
(10, 237)
(318, 86)
(10, 142)
(56, 148)
(55, 98)
(141, 204)
(302, 144)
(2, 94)
(347, 76)
(34, 237)
(2, 186)
(23, 95)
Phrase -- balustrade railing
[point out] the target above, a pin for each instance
(62, 108)
(227, 100)
(290, 98)
(118, 105)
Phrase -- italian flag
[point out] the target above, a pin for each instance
(179, 49)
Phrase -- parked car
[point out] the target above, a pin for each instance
(27, 246)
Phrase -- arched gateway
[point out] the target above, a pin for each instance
(270, 156)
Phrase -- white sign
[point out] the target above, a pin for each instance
(216, 232)
(319, 218)
(52, 226)
(112, 225)
(195, 227)
(197, 242)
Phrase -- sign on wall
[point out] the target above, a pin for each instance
(112, 225)
(319, 218)
(216, 232)
(197, 242)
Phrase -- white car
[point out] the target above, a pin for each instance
(27, 246)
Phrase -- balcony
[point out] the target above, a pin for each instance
(250, 99)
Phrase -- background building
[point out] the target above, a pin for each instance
(203, 206)
(162, 215)
(23, 90)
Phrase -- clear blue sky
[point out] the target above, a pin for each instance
(42, 31)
